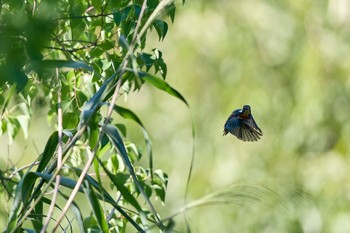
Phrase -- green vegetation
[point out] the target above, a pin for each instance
(92, 70)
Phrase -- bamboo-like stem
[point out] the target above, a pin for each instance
(59, 156)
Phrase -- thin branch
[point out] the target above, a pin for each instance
(67, 148)
(82, 129)
(63, 47)
(84, 16)
(138, 24)
(20, 169)
(154, 15)
(59, 156)
(107, 119)
(70, 50)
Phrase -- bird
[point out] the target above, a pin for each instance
(242, 124)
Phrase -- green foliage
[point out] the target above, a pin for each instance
(80, 56)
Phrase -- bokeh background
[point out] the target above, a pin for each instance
(290, 61)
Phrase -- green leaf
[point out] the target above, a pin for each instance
(107, 198)
(94, 103)
(107, 45)
(49, 151)
(146, 59)
(171, 11)
(70, 120)
(12, 127)
(162, 85)
(93, 131)
(91, 225)
(95, 205)
(119, 183)
(161, 28)
(117, 142)
(121, 16)
(121, 128)
(96, 52)
(16, 207)
(128, 114)
(112, 132)
(78, 216)
(38, 218)
(159, 183)
(28, 184)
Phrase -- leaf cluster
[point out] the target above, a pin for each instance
(76, 57)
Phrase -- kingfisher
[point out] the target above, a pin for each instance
(242, 124)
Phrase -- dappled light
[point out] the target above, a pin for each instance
(288, 60)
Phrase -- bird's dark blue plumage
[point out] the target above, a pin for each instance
(242, 124)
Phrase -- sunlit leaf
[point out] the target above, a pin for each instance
(24, 121)
(127, 114)
(121, 128)
(70, 120)
(162, 85)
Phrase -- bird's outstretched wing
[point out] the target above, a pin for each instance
(250, 123)
(247, 134)
(243, 127)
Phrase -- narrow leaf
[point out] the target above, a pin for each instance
(38, 218)
(171, 11)
(92, 105)
(64, 181)
(96, 207)
(128, 114)
(16, 206)
(49, 151)
(162, 85)
(121, 188)
(107, 198)
(28, 184)
(117, 142)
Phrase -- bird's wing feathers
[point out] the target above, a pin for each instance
(253, 126)
(243, 128)
(248, 135)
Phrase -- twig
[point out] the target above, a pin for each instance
(70, 145)
(20, 169)
(59, 157)
(71, 50)
(107, 119)
(82, 129)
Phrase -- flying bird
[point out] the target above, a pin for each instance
(242, 124)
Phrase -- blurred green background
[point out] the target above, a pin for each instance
(290, 61)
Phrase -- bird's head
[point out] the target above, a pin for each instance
(246, 110)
